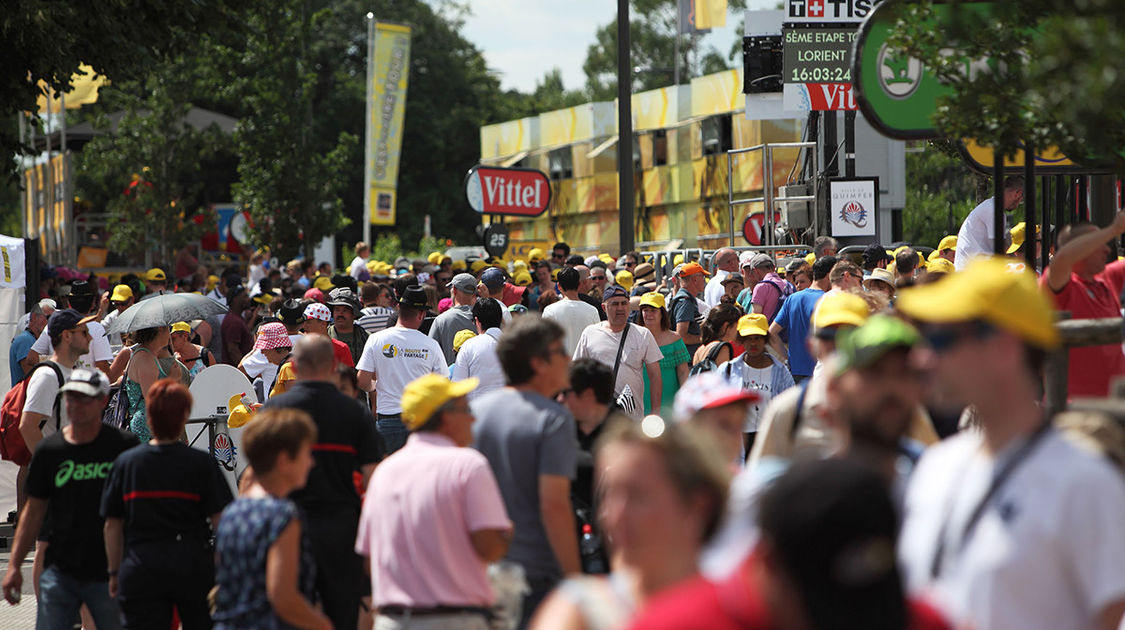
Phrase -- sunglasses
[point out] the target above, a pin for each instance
(944, 338)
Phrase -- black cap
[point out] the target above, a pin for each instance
(63, 319)
(343, 296)
(346, 281)
(292, 312)
(81, 288)
(574, 260)
(833, 527)
(414, 295)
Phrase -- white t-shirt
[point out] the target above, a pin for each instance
(41, 392)
(574, 316)
(1046, 553)
(641, 349)
(357, 267)
(397, 356)
(977, 234)
(756, 380)
(99, 347)
(714, 290)
(478, 359)
(256, 364)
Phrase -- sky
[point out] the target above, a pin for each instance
(523, 39)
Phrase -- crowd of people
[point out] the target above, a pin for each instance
(569, 442)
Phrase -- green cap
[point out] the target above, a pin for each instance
(863, 345)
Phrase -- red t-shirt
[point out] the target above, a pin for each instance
(1092, 367)
(735, 604)
(343, 354)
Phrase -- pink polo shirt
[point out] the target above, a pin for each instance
(421, 505)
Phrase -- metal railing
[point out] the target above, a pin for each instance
(767, 199)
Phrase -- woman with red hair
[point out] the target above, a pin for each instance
(161, 503)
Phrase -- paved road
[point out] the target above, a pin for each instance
(22, 616)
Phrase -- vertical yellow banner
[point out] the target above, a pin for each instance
(710, 14)
(391, 68)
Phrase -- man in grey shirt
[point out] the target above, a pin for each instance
(458, 317)
(531, 445)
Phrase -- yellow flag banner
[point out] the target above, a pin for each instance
(710, 14)
(84, 91)
(391, 68)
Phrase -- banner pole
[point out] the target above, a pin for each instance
(368, 139)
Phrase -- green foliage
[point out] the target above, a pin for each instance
(388, 246)
(940, 193)
(48, 39)
(146, 175)
(1051, 76)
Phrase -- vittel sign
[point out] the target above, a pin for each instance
(508, 191)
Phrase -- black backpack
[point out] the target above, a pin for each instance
(708, 363)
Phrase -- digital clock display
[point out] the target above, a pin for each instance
(817, 55)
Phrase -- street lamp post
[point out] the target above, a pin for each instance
(368, 158)
(624, 130)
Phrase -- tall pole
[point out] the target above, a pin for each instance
(1031, 238)
(998, 246)
(679, 30)
(368, 157)
(624, 129)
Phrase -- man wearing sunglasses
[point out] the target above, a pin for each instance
(558, 254)
(1008, 525)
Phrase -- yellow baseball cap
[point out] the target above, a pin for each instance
(324, 283)
(624, 279)
(522, 278)
(555, 275)
(940, 265)
(477, 266)
(519, 264)
(263, 298)
(459, 265)
(1019, 235)
(155, 275)
(121, 293)
(810, 258)
(949, 242)
(986, 290)
(434, 258)
(183, 327)
(753, 324)
(535, 254)
(678, 259)
(653, 299)
(840, 308)
(461, 337)
(212, 280)
(424, 395)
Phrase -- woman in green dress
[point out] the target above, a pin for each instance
(675, 364)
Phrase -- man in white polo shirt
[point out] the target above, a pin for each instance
(394, 357)
(477, 357)
(1011, 525)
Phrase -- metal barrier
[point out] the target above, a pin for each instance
(767, 198)
(662, 260)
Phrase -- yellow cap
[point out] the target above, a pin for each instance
(424, 395)
(899, 249)
(181, 327)
(522, 278)
(212, 280)
(121, 293)
(263, 298)
(535, 254)
(324, 283)
(459, 265)
(555, 274)
(239, 415)
(477, 266)
(519, 264)
(840, 308)
(624, 279)
(753, 324)
(654, 299)
(940, 265)
(1019, 235)
(155, 275)
(606, 258)
(434, 258)
(934, 255)
(810, 258)
(949, 242)
(461, 337)
(990, 291)
(678, 259)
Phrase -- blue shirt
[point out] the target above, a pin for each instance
(794, 317)
(21, 345)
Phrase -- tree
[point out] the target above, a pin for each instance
(147, 174)
(289, 175)
(940, 193)
(1050, 76)
(48, 39)
(652, 44)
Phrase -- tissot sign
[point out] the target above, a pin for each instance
(828, 11)
(508, 191)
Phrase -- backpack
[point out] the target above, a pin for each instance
(784, 292)
(708, 363)
(12, 446)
